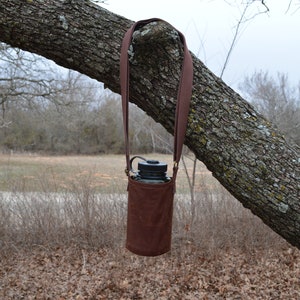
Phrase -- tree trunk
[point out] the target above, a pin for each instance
(243, 150)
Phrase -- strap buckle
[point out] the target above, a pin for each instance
(126, 172)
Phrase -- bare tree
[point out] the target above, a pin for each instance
(26, 81)
(24, 74)
(276, 100)
(38, 96)
(244, 151)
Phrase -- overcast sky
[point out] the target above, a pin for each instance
(269, 42)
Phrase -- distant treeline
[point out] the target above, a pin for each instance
(79, 128)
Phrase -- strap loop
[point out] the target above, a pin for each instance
(183, 96)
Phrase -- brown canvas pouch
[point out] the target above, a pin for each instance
(150, 206)
(149, 217)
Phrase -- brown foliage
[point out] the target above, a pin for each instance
(73, 273)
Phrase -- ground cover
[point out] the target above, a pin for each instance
(62, 236)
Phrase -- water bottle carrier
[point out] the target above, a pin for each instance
(150, 206)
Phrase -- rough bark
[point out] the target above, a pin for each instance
(243, 150)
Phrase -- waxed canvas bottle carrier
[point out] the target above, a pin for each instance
(150, 206)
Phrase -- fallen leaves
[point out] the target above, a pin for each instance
(72, 273)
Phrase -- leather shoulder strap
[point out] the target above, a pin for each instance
(183, 96)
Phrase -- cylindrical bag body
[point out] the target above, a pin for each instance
(149, 217)
(150, 205)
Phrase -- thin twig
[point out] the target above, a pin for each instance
(241, 21)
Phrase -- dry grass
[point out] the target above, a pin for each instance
(33, 173)
(82, 200)
(59, 173)
(66, 217)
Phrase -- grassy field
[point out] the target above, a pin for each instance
(63, 227)
(60, 173)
